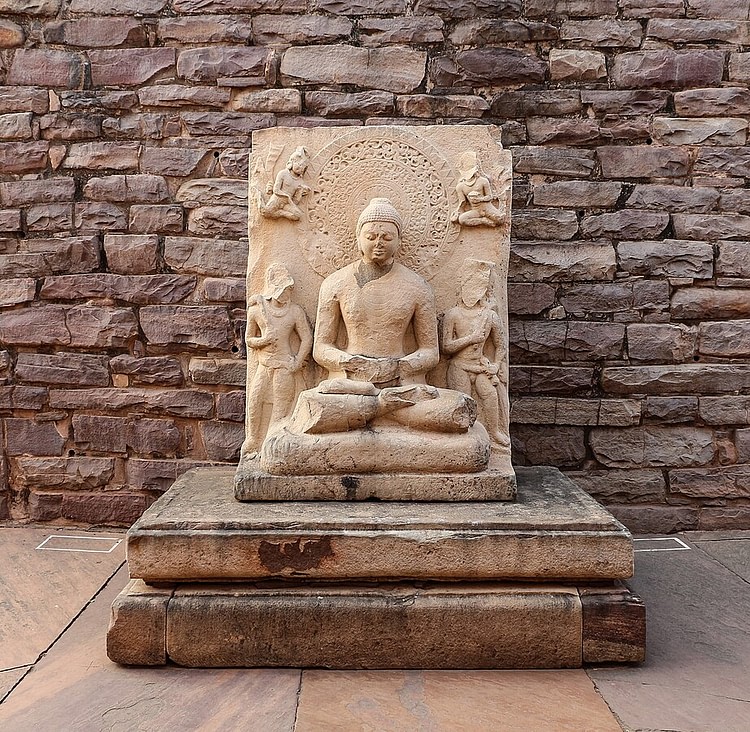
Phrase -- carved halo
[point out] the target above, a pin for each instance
(397, 164)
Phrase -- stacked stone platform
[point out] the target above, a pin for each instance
(368, 584)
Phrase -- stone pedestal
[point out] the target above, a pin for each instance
(530, 584)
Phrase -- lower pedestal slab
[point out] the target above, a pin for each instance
(386, 626)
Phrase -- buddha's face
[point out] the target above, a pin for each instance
(378, 241)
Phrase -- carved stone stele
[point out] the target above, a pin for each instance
(394, 242)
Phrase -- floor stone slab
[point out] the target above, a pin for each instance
(44, 589)
(697, 672)
(75, 687)
(554, 531)
(443, 701)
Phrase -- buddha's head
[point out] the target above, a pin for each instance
(379, 232)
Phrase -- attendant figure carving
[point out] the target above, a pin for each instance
(280, 337)
(288, 189)
(473, 336)
(475, 196)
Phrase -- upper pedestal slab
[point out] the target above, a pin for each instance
(555, 531)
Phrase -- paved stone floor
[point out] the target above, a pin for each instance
(55, 676)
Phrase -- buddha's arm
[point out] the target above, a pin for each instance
(327, 324)
(427, 354)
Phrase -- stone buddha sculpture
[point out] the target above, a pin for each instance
(376, 334)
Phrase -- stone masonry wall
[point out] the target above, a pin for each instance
(124, 131)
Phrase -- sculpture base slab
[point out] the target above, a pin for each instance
(489, 485)
(555, 531)
(399, 626)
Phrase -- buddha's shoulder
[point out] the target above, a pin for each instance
(410, 277)
(339, 278)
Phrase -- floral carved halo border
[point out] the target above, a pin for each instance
(390, 162)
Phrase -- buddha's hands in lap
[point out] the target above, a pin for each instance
(374, 370)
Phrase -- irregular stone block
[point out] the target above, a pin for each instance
(657, 519)
(217, 221)
(712, 102)
(96, 32)
(693, 303)
(699, 31)
(215, 257)
(56, 68)
(171, 161)
(193, 326)
(724, 410)
(570, 65)
(127, 188)
(562, 447)
(230, 371)
(30, 7)
(733, 259)
(739, 67)
(544, 261)
(287, 30)
(493, 32)
(158, 475)
(139, 290)
(120, 509)
(100, 327)
(626, 486)
(102, 156)
(394, 69)
(148, 219)
(16, 126)
(737, 201)
(559, 131)
(672, 409)
(687, 131)
(163, 370)
(279, 101)
(500, 65)
(573, 8)
(669, 69)
(188, 403)
(95, 217)
(222, 440)
(158, 437)
(554, 161)
(214, 62)
(49, 218)
(15, 291)
(562, 380)
(673, 198)
(682, 379)
(337, 104)
(670, 258)
(205, 29)
(220, 6)
(742, 443)
(603, 297)
(643, 161)
(224, 289)
(724, 161)
(562, 411)
(602, 33)
(728, 340)
(231, 406)
(225, 123)
(74, 473)
(70, 127)
(626, 224)
(24, 157)
(131, 254)
(529, 298)
(731, 481)
(544, 224)
(212, 191)
(469, 8)
(536, 103)
(400, 30)
(126, 67)
(661, 342)
(718, 9)
(23, 99)
(62, 368)
(625, 103)
(711, 226)
(26, 437)
(577, 194)
(176, 95)
(639, 447)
